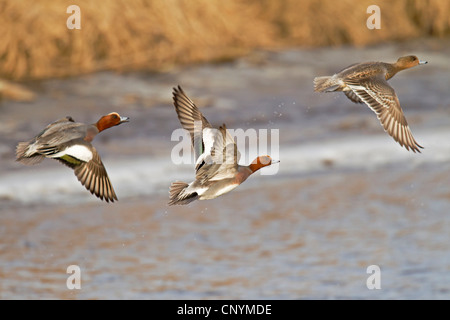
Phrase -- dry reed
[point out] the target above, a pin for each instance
(157, 35)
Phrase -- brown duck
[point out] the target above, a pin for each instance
(367, 83)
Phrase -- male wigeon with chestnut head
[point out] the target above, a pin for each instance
(70, 143)
(217, 169)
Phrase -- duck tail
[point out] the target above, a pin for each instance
(325, 84)
(26, 156)
(178, 197)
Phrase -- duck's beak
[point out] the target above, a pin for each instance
(423, 62)
(124, 119)
(275, 161)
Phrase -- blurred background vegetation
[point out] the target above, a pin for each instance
(157, 35)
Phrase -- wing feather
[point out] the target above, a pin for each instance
(379, 96)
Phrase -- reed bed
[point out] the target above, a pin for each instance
(157, 35)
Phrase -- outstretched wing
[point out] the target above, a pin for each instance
(93, 176)
(191, 119)
(382, 99)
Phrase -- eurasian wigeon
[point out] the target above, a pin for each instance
(70, 143)
(216, 154)
(367, 82)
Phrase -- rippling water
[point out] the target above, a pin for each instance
(345, 197)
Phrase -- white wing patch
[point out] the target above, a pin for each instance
(201, 191)
(79, 152)
(209, 136)
(226, 189)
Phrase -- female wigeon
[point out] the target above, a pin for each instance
(70, 142)
(367, 82)
(216, 154)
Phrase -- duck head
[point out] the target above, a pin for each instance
(261, 162)
(110, 120)
(409, 62)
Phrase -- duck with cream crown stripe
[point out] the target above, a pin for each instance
(70, 143)
(367, 83)
(216, 155)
